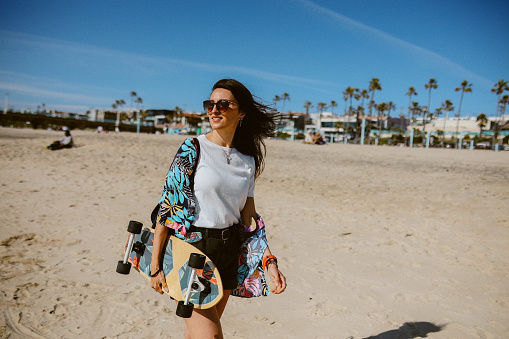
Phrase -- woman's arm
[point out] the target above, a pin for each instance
(247, 214)
(158, 282)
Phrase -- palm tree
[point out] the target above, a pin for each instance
(285, 97)
(503, 102)
(345, 97)
(411, 91)
(307, 106)
(416, 109)
(120, 103)
(332, 105)
(432, 84)
(438, 112)
(374, 85)
(465, 87)
(138, 102)
(447, 106)
(359, 112)
(276, 100)
(322, 106)
(361, 94)
(116, 107)
(498, 89)
(133, 95)
(482, 122)
(349, 93)
(390, 107)
(381, 108)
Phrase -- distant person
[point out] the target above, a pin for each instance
(65, 142)
(318, 139)
(309, 138)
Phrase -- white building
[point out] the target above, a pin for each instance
(463, 126)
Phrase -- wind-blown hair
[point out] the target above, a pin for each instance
(257, 124)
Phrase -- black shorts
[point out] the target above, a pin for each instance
(223, 253)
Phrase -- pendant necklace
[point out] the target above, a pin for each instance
(226, 154)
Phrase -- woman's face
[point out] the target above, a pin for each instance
(228, 120)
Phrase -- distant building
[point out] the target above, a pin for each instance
(464, 126)
(332, 126)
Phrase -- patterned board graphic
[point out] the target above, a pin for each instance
(176, 254)
(207, 274)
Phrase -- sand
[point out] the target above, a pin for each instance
(382, 242)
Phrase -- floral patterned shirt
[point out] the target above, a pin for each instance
(176, 210)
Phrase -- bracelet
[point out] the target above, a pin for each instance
(157, 272)
(269, 259)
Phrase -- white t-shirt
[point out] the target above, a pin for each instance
(221, 189)
(66, 140)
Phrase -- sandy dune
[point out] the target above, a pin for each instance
(375, 241)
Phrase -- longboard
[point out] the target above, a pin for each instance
(181, 266)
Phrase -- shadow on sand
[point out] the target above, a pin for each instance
(410, 331)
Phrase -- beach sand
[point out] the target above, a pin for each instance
(383, 242)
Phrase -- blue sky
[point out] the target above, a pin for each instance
(81, 55)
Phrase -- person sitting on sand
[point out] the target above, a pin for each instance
(318, 139)
(65, 142)
(309, 138)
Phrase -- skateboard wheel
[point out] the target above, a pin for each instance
(123, 268)
(184, 311)
(196, 261)
(134, 227)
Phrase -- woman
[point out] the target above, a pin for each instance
(230, 159)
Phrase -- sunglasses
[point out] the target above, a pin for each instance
(222, 105)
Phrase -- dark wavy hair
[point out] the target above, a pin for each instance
(257, 124)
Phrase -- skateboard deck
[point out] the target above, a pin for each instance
(176, 255)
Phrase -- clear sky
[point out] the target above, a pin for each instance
(80, 55)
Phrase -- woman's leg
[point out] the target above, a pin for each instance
(206, 323)
(221, 305)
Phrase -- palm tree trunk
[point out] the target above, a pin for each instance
(372, 102)
(443, 133)
(458, 122)
(409, 121)
(495, 127)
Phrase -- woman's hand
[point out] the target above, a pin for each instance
(278, 279)
(158, 283)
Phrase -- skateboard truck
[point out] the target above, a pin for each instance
(185, 308)
(139, 247)
(123, 266)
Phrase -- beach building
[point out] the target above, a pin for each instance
(335, 127)
(175, 122)
(464, 126)
(293, 124)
